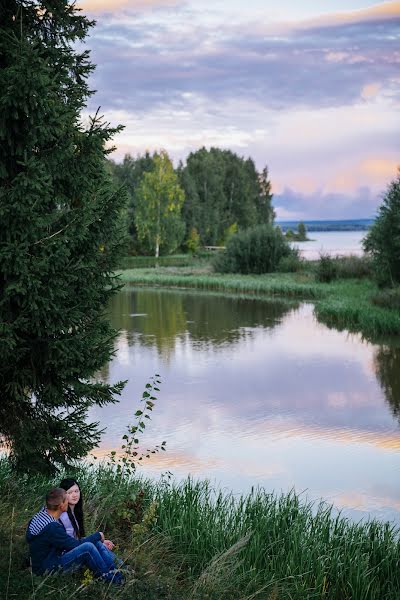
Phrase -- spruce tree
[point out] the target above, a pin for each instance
(60, 238)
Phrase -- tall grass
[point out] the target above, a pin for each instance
(205, 543)
(285, 285)
(142, 262)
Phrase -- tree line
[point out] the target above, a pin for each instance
(202, 202)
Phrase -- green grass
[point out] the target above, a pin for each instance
(175, 260)
(291, 285)
(188, 541)
(344, 303)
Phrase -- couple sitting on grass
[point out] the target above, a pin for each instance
(57, 542)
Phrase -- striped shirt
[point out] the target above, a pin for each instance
(40, 521)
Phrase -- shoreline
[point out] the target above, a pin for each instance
(190, 541)
(344, 304)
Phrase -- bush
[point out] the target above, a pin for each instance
(357, 267)
(327, 269)
(383, 240)
(387, 298)
(257, 250)
(290, 264)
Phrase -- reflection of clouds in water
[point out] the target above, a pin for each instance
(163, 461)
(122, 349)
(253, 395)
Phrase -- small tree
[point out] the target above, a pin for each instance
(193, 241)
(159, 201)
(382, 242)
(266, 213)
(301, 232)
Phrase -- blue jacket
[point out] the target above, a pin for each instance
(48, 540)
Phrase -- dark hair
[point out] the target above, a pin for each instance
(76, 517)
(55, 497)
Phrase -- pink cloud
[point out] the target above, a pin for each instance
(384, 11)
(102, 6)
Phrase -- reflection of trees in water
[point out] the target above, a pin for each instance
(387, 364)
(206, 318)
(224, 319)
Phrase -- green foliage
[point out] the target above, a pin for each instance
(389, 298)
(327, 269)
(193, 241)
(353, 267)
(256, 250)
(265, 211)
(175, 260)
(301, 232)
(159, 201)
(189, 540)
(291, 263)
(222, 188)
(61, 235)
(129, 174)
(382, 242)
(131, 455)
(300, 235)
(228, 233)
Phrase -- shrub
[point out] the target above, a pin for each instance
(327, 269)
(193, 241)
(387, 298)
(290, 264)
(256, 250)
(383, 240)
(356, 267)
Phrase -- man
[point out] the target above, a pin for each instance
(52, 549)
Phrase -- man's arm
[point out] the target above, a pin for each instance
(61, 540)
(59, 537)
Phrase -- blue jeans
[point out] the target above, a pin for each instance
(108, 556)
(86, 555)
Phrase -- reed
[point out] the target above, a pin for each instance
(286, 285)
(189, 540)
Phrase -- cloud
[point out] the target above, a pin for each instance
(145, 62)
(113, 6)
(291, 204)
(385, 11)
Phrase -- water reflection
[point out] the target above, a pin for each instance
(160, 317)
(257, 392)
(387, 362)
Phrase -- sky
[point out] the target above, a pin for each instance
(311, 89)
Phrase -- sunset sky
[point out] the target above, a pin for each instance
(312, 89)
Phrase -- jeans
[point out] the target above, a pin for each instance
(86, 555)
(108, 556)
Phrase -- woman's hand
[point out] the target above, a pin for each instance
(109, 544)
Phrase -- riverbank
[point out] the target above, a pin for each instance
(189, 541)
(345, 303)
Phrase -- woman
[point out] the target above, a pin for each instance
(73, 521)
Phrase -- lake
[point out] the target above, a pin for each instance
(334, 243)
(258, 393)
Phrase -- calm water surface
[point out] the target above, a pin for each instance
(334, 243)
(259, 393)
